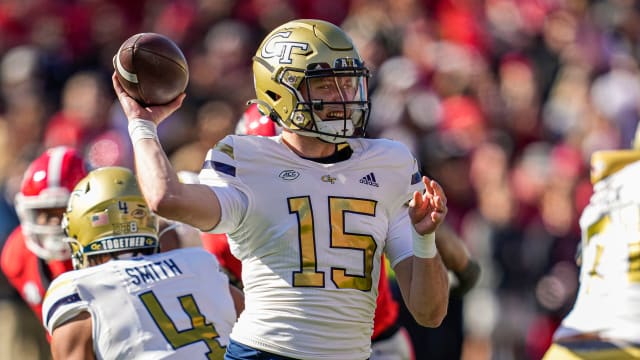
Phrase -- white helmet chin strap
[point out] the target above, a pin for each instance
(337, 127)
(334, 131)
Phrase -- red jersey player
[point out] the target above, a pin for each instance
(35, 253)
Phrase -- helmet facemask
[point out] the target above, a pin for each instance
(332, 102)
(45, 240)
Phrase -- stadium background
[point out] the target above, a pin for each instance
(503, 101)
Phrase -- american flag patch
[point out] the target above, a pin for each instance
(99, 219)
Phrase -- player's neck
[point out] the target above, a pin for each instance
(308, 147)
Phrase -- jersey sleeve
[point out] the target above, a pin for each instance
(399, 245)
(407, 172)
(413, 179)
(62, 302)
(219, 173)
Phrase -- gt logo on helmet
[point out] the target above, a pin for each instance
(281, 49)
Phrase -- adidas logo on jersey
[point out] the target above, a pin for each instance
(369, 179)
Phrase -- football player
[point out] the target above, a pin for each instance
(124, 300)
(35, 253)
(311, 212)
(390, 340)
(605, 320)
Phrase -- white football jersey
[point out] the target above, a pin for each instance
(609, 295)
(310, 236)
(173, 305)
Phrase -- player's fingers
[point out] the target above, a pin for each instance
(418, 209)
(125, 99)
(116, 85)
(436, 187)
(428, 191)
(161, 112)
(433, 202)
(438, 191)
(437, 217)
(425, 181)
(416, 200)
(440, 205)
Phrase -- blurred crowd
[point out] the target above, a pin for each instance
(503, 101)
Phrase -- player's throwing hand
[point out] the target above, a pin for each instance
(134, 110)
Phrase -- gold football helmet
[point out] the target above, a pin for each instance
(106, 213)
(310, 79)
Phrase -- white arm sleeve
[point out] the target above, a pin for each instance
(219, 173)
(399, 245)
(233, 205)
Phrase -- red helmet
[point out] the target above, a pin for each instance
(47, 184)
(253, 122)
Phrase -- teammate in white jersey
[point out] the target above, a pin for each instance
(309, 212)
(124, 300)
(605, 320)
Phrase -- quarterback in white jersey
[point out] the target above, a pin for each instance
(605, 319)
(309, 212)
(337, 220)
(123, 301)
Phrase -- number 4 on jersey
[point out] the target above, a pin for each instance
(199, 331)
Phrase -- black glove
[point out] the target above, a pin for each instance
(467, 279)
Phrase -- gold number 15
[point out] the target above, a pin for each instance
(339, 207)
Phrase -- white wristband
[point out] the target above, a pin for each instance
(424, 246)
(142, 129)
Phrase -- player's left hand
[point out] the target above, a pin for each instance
(427, 210)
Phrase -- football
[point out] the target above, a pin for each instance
(151, 68)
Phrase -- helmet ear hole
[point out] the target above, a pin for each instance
(273, 95)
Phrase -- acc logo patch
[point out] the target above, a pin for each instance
(276, 48)
(289, 175)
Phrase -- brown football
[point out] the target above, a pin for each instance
(151, 68)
